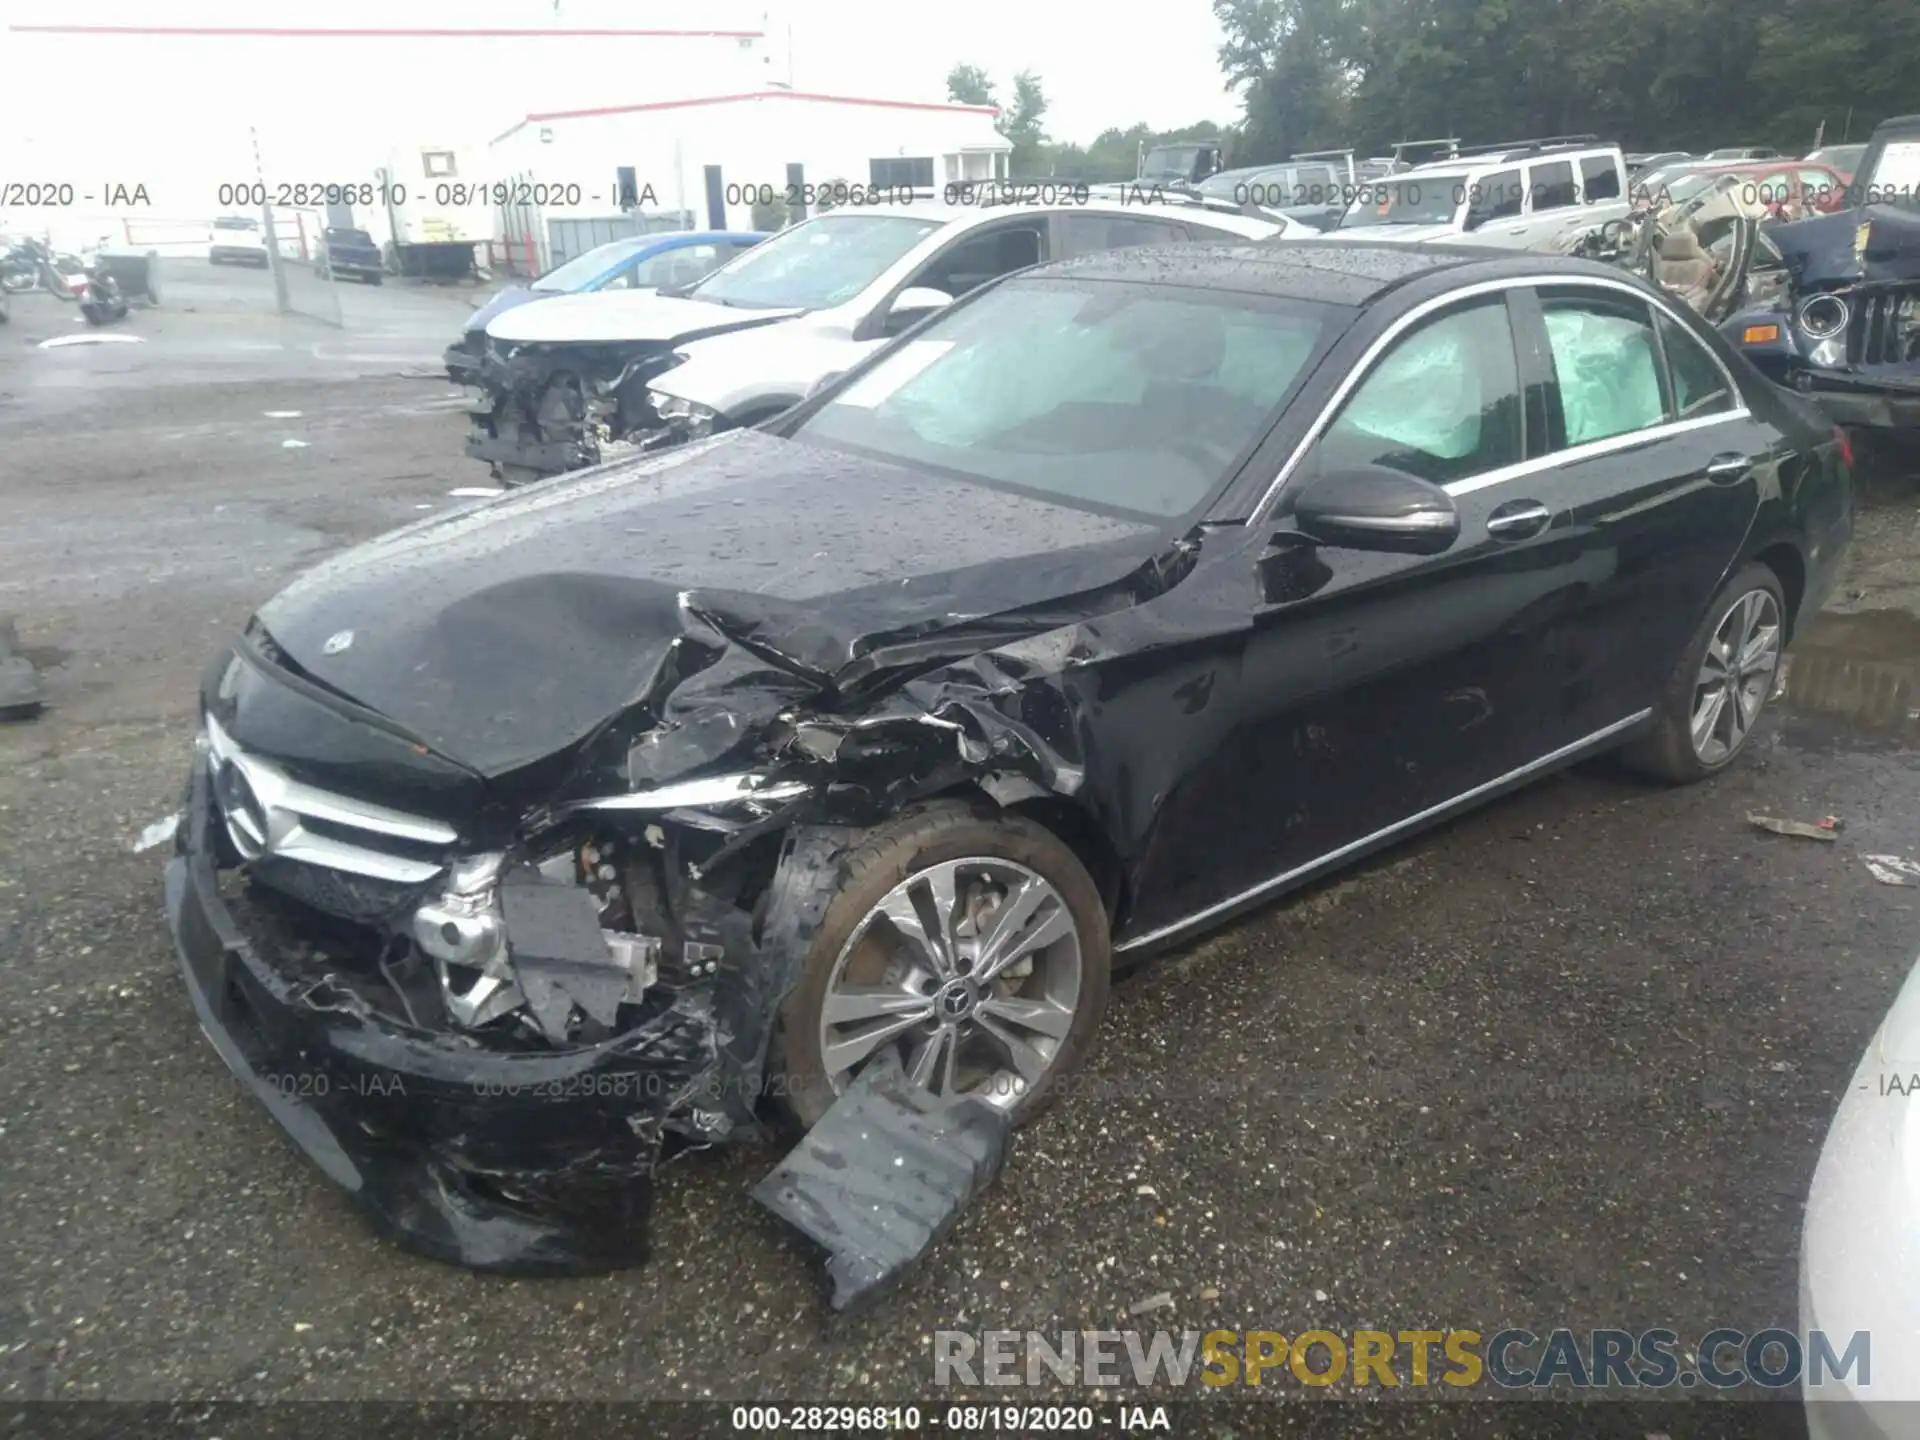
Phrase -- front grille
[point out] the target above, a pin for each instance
(271, 816)
(1885, 329)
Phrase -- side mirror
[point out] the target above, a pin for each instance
(914, 304)
(1374, 507)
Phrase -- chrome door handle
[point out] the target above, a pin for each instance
(1518, 519)
(1724, 469)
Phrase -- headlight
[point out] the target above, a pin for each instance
(684, 415)
(1823, 317)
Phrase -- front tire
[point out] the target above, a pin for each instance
(973, 944)
(1723, 681)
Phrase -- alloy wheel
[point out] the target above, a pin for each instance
(1736, 676)
(970, 970)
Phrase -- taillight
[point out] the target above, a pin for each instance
(1843, 445)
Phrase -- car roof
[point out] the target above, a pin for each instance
(1172, 208)
(1343, 272)
(1502, 160)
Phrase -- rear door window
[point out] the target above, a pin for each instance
(1606, 361)
(1551, 185)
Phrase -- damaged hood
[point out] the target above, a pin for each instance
(787, 359)
(617, 316)
(507, 632)
(1869, 244)
(501, 301)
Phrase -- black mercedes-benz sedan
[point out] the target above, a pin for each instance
(665, 799)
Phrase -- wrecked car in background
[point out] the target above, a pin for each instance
(817, 773)
(660, 261)
(582, 379)
(1844, 327)
(1705, 240)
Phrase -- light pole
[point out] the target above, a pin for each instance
(280, 300)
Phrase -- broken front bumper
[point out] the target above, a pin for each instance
(1848, 400)
(463, 359)
(524, 1162)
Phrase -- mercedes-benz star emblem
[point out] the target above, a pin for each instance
(956, 1000)
(335, 644)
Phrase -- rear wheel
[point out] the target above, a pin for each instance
(1723, 681)
(973, 946)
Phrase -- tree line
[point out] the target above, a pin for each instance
(1650, 74)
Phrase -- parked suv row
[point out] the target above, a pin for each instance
(1522, 198)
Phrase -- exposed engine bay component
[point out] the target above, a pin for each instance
(540, 942)
(559, 408)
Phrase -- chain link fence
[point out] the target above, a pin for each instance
(238, 261)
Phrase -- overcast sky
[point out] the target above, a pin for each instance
(1101, 65)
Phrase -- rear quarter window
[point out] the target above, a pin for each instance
(1600, 178)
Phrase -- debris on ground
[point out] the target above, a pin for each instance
(1162, 1301)
(883, 1176)
(60, 342)
(1827, 828)
(1893, 870)
(293, 444)
(158, 833)
(22, 692)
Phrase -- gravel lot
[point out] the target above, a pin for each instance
(1566, 1062)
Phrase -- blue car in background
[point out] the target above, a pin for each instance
(635, 262)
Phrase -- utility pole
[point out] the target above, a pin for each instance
(280, 300)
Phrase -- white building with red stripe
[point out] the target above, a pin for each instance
(704, 162)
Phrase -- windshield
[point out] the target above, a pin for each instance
(350, 237)
(1677, 188)
(1843, 157)
(1169, 162)
(1896, 175)
(1122, 397)
(1421, 200)
(816, 264)
(570, 275)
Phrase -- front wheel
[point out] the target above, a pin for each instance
(1724, 679)
(973, 945)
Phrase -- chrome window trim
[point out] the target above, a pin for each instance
(1574, 454)
(1411, 822)
(1364, 367)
